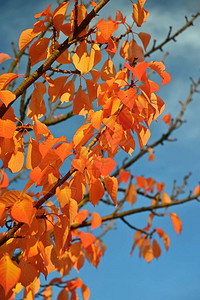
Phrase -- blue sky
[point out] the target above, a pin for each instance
(176, 274)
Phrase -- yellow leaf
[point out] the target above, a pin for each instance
(26, 38)
(165, 198)
(9, 273)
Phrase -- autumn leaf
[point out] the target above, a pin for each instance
(7, 97)
(176, 222)
(96, 220)
(145, 38)
(96, 191)
(6, 78)
(59, 15)
(4, 57)
(37, 105)
(131, 193)
(123, 176)
(165, 198)
(111, 184)
(81, 103)
(196, 190)
(104, 165)
(7, 128)
(38, 50)
(156, 249)
(9, 273)
(167, 119)
(23, 211)
(87, 239)
(106, 28)
(26, 38)
(108, 70)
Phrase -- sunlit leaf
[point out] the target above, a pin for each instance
(176, 222)
(96, 220)
(9, 273)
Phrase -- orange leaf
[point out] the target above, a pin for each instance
(167, 119)
(159, 67)
(139, 14)
(85, 290)
(107, 28)
(131, 194)
(164, 236)
(37, 105)
(67, 93)
(63, 195)
(111, 184)
(22, 211)
(96, 191)
(145, 38)
(6, 78)
(81, 103)
(108, 70)
(59, 15)
(165, 198)
(123, 176)
(56, 87)
(105, 165)
(87, 239)
(176, 222)
(96, 220)
(9, 273)
(3, 57)
(7, 128)
(26, 38)
(33, 155)
(156, 249)
(7, 97)
(93, 4)
(197, 190)
(3, 179)
(147, 251)
(81, 216)
(96, 119)
(37, 51)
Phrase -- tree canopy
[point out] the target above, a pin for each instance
(73, 125)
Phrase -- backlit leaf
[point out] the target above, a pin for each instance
(167, 119)
(37, 105)
(108, 70)
(9, 273)
(6, 78)
(22, 211)
(26, 38)
(59, 15)
(145, 38)
(87, 239)
(106, 28)
(3, 57)
(111, 184)
(96, 220)
(37, 51)
(197, 190)
(176, 222)
(6, 97)
(7, 128)
(165, 198)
